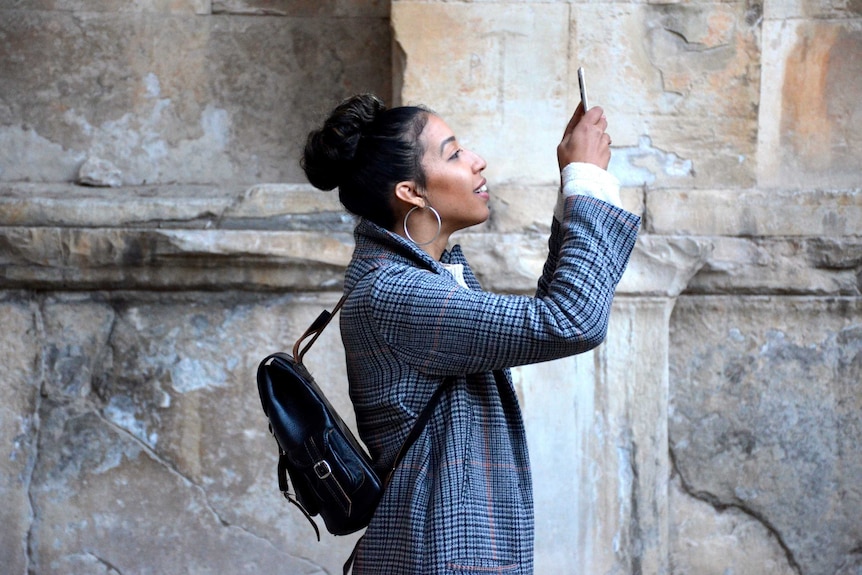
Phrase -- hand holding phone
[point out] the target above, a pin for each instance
(585, 139)
(583, 88)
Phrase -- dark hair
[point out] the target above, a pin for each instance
(364, 149)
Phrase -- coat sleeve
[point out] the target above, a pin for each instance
(441, 329)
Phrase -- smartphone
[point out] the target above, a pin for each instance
(583, 87)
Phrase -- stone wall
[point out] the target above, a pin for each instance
(717, 429)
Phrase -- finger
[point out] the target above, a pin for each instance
(602, 124)
(576, 117)
(594, 115)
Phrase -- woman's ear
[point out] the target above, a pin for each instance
(408, 193)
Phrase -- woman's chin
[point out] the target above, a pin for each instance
(483, 218)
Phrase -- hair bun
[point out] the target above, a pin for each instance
(330, 150)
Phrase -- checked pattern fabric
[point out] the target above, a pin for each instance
(461, 501)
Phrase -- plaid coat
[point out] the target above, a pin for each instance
(461, 501)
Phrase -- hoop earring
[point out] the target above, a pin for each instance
(439, 225)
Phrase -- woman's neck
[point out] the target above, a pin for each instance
(435, 248)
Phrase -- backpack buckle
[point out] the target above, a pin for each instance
(322, 469)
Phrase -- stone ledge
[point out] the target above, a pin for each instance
(302, 8)
(751, 213)
(809, 10)
(64, 258)
(659, 266)
(182, 7)
(260, 260)
(792, 266)
(293, 237)
(517, 208)
(263, 206)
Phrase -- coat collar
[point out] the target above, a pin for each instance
(375, 244)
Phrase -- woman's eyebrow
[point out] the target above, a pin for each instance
(448, 140)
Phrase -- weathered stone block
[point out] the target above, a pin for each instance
(811, 116)
(754, 212)
(188, 259)
(285, 207)
(809, 266)
(765, 403)
(529, 208)
(811, 9)
(710, 541)
(700, 63)
(303, 8)
(496, 75)
(235, 108)
(158, 6)
(151, 424)
(595, 422)
(99, 490)
(660, 70)
(663, 266)
(19, 355)
(67, 205)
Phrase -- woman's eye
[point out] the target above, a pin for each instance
(457, 154)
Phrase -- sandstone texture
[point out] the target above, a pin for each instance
(765, 418)
(158, 239)
(167, 95)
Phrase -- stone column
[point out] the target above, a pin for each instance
(597, 426)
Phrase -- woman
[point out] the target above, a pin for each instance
(461, 500)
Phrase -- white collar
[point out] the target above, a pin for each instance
(457, 271)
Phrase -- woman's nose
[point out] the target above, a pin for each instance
(479, 162)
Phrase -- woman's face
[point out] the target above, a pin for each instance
(453, 178)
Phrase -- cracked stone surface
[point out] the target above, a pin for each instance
(657, 68)
(82, 80)
(707, 540)
(19, 357)
(765, 404)
(149, 423)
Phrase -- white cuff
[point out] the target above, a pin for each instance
(587, 180)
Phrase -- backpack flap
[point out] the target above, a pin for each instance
(330, 471)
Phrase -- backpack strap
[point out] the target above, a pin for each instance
(419, 426)
(349, 563)
(283, 485)
(314, 331)
(316, 328)
(318, 325)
